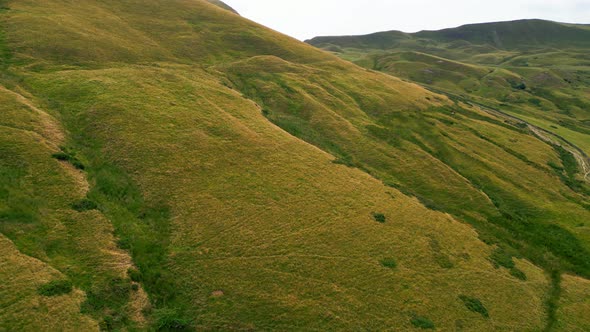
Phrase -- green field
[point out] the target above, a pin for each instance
(170, 165)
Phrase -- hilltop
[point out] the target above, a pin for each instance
(169, 165)
(223, 5)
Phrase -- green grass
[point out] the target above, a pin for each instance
(84, 205)
(169, 320)
(5, 53)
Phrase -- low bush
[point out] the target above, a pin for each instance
(422, 322)
(379, 217)
(56, 288)
(518, 274)
(474, 305)
(69, 156)
(389, 263)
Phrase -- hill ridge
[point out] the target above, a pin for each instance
(503, 35)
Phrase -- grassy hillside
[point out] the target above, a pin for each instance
(177, 167)
(531, 68)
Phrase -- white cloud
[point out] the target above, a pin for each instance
(309, 18)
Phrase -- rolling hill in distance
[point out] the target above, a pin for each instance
(170, 165)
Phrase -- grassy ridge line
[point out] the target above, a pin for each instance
(510, 35)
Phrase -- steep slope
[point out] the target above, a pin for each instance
(237, 222)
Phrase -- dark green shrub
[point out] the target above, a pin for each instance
(379, 217)
(61, 156)
(84, 205)
(389, 263)
(518, 274)
(78, 164)
(474, 305)
(56, 288)
(519, 86)
(66, 155)
(422, 322)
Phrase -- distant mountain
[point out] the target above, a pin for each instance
(521, 34)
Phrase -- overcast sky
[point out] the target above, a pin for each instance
(305, 19)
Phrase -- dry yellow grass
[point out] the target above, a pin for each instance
(574, 307)
(23, 309)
